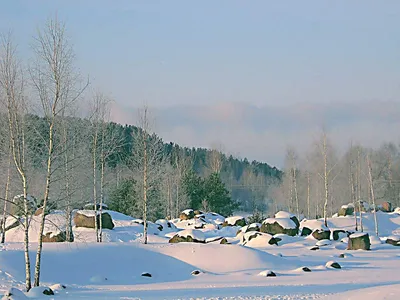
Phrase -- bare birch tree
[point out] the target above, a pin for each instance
(55, 82)
(12, 83)
(147, 161)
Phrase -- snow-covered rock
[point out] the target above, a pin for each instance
(286, 215)
(346, 210)
(267, 273)
(40, 292)
(393, 240)
(187, 214)
(234, 221)
(258, 239)
(333, 265)
(359, 241)
(279, 225)
(166, 225)
(188, 235)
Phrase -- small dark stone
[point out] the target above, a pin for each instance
(146, 274)
(336, 265)
(196, 272)
(305, 269)
(48, 292)
(342, 255)
(314, 248)
(271, 274)
(224, 241)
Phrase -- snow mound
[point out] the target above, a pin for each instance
(39, 292)
(215, 258)
(14, 294)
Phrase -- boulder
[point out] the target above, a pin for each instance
(387, 206)
(336, 234)
(393, 240)
(196, 272)
(234, 221)
(38, 212)
(145, 274)
(333, 265)
(306, 231)
(253, 227)
(267, 273)
(188, 236)
(279, 225)
(306, 269)
(345, 255)
(359, 241)
(314, 248)
(187, 214)
(320, 234)
(87, 220)
(49, 237)
(346, 210)
(284, 214)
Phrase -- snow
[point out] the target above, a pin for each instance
(283, 222)
(112, 270)
(194, 233)
(357, 235)
(87, 212)
(284, 215)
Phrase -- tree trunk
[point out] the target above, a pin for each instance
(308, 195)
(28, 279)
(295, 193)
(359, 189)
(326, 186)
(371, 185)
(96, 226)
(353, 194)
(45, 199)
(145, 189)
(101, 194)
(3, 236)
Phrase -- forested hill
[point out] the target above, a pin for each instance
(248, 182)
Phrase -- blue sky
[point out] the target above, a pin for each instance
(174, 54)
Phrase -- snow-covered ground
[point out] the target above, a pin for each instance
(113, 269)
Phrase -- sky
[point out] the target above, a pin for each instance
(251, 76)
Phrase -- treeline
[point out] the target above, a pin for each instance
(317, 183)
(186, 173)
